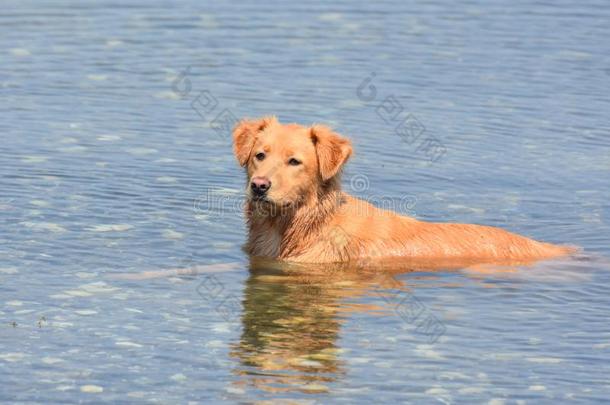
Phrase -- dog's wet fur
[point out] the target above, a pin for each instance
(296, 210)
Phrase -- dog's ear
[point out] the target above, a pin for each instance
(332, 149)
(244, 136)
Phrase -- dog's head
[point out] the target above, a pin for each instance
(286, 164)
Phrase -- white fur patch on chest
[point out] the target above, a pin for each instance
(266, 244)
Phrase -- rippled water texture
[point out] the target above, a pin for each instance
(116, 168)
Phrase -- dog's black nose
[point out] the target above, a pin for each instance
(260, 185)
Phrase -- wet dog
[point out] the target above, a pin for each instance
(297, 212)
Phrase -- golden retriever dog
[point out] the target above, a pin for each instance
(296, 210)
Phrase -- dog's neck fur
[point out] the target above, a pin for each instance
(288, 232)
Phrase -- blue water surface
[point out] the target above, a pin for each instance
(116, 169)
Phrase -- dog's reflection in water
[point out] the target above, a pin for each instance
(291, 320)
(292, 315)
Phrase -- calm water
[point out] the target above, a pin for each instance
(113, 164)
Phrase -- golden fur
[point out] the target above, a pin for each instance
(305, 217)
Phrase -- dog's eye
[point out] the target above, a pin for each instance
(260, 156)
(294, 162)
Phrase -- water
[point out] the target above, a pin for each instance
(110, 169)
